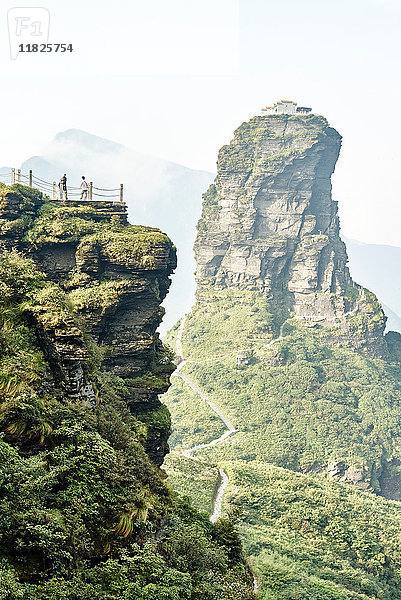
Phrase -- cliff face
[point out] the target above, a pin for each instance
(269, 223)
(115, 276)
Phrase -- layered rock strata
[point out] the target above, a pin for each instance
(115, 276)
(269, 223)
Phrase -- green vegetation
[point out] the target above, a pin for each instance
(306, 537)
(23, 197)
(53, 223)
(18, 205)
(80, 521)
(302, 402)
(199, 479)
(240, 319)
(84, 514)
(183, 404)
(14, 227)
(157, 419)
(311, 538)
(98, 296)
(57, 224)
(130, 245)
(149, 381)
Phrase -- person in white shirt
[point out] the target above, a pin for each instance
(84, 189)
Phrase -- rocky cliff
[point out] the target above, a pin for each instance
(269, 223)
(115, 277)
(284, 347)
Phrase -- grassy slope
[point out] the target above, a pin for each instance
(299, 400)
(188, 475)
(183, 404)
(308, 537)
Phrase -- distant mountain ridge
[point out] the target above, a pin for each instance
(376, 266)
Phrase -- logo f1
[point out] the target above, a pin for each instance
(27, 25)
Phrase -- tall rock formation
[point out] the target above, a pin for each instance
(280, 343)
(269, 223)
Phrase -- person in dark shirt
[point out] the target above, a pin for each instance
(63, 187)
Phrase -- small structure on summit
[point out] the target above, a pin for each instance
(286, 107)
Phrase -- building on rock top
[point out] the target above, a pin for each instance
(286, 107)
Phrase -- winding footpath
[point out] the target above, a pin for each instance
(231, 429)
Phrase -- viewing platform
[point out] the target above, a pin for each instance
(55, 191)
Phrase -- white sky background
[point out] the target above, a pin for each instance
(174, 78)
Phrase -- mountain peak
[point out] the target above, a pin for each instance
(269, 222)
(87, 140)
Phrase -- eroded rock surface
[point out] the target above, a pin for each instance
(269, 230)
(269, 223)
(115, 276)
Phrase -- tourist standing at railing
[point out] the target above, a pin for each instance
(63, 187)
(84, 188)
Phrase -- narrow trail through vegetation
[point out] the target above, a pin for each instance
(231, 429)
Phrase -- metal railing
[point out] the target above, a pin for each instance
(55, 191)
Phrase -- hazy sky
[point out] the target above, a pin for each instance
(174, 78)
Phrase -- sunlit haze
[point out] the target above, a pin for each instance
(174, 79)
